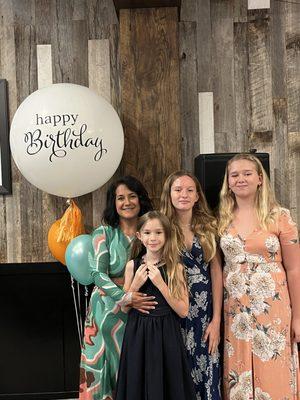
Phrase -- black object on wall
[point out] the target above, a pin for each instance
(210, 170)
(40, 348)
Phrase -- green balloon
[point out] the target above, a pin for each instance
(77, 259)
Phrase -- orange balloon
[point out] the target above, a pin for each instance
(57, 249)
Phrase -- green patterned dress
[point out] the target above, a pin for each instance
(105, 322)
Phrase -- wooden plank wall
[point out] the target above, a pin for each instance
(150, 94)
(238, 85)
(45, 41)
(249, 60)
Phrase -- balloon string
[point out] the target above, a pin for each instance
(79, 308)
(86, 293)
(76, 311)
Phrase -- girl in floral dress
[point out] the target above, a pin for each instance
(195, 230)
(262, 287)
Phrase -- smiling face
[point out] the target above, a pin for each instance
(152, 235)
(184, 193)
(127, 203)
(243, 178)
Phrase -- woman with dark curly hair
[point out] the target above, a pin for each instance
(127, 199)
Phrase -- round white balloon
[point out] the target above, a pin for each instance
(66, 140)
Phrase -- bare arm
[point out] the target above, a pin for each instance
(212, 332)
(217, 286)
(180, 306)
(288, 237)
(291, 261)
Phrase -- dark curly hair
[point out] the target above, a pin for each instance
(110, 215)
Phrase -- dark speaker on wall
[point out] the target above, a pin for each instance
(210, 170)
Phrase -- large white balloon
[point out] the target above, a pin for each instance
(66, 140)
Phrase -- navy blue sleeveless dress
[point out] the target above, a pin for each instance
(205, 368)
(153, 364)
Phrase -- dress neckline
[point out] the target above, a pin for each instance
(189, 250)
(243, 238)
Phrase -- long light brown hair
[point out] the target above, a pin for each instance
(265, 204)
(203, 222)
(170, 252)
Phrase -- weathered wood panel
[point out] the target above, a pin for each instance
(256, 4)
(260, 82)
(223, 75)
(30, 197)
(150, 94)
(188, 95)
(206, 122)
(241, 87)
(44, 65)
(99, 81)
(293, 103)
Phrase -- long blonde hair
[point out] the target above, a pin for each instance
(203, 222)
(170, 252)
(265, 205)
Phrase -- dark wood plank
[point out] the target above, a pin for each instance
(3, 232)
(188, 10)
(62, 41)
(240, 10)
(100, 15)
(204, 43)
(189, 111)
(280, 150)
(24, 12)
(43, 17)
(30, 197)
(223, 75)
(293, 103)
(150, 94)
(80, 52)
(120, 4)
(241, 87)
(278, 49)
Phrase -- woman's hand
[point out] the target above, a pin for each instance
(155, 275)
(142, 302)
(296, 330)
(212, 333)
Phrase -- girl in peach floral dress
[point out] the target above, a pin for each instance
(262, 287)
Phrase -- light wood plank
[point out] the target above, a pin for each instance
(44, 65)
(99, 67)
(206, 122)
(258, 4)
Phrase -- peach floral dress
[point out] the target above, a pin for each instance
(260, 361)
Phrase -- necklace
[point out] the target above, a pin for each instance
(155, 264)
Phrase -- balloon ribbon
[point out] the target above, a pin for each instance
(71, 224)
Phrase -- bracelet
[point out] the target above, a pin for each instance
(125, 300)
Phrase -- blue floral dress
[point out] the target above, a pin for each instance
(205, 368)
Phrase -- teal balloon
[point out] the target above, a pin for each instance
(77, 259)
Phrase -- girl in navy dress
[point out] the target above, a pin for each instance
(153, 362)
(195, 229)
